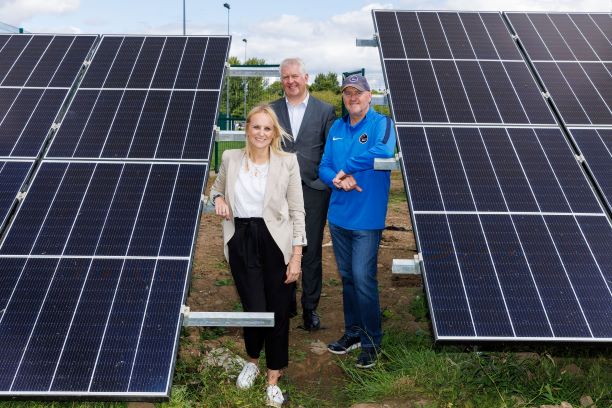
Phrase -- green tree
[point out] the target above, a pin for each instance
(326, 82)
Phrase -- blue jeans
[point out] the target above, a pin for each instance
(356, 256)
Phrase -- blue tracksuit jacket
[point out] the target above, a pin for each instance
(353, 149)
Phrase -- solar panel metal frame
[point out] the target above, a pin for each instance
(5, 217)
(400, 125)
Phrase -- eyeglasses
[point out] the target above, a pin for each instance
(350, 94)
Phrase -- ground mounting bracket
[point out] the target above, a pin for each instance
(227, 319)
(407, 266)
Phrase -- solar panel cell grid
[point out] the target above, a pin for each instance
(27, 61)
(478, 91)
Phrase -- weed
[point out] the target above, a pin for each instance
(224, 282)
(418, 309)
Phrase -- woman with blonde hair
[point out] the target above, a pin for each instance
(258, 193)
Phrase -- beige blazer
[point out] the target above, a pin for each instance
(283, 209)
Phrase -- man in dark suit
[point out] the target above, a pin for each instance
(308, 120)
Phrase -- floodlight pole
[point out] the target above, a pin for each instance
(183, 17)
(227, 104)
(246, 84)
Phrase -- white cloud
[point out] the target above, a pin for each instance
(16, 11)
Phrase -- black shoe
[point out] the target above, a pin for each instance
(344, 345)
(311, 320)
(367, 358)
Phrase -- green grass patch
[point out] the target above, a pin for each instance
(224, 282)
(412, 367)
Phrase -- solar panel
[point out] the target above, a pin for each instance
(464, 68)
(572, 54)
(145, 98)
(95, 267)
(12, 178)
(36, 72)
(514, 242)
(96, 258)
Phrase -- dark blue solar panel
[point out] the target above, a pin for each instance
(11, 51)
(478, 36)
(479, 278)
(106, 209)
(146, 63)
(50, 61)
(453, 92)
(477, 90)
(568, 105)
(434, 35)
(595, 32)
(388, 31)
(412, 36)
(213, 67)
(428, 95)
(402, 95)
(455, 34)
(507, 101)
(449, 307)
(12, 177)
(27, 61)
(595, 145)
(515, 277)
(102, 62)
(191, 64)
(169, 62)
(562, 307)
(124, 63)
(483, 184)
(572, 36)
(589, 97)
(73, 61)
(420, 174)
(449, 171)
(505, 217)
(551, 37)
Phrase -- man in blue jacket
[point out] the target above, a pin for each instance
(357, 211)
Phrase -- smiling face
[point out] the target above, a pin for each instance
(357, 103)
(294, 82)
(260, 131)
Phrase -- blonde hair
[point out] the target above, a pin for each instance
(279, 134)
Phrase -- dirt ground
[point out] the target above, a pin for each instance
(311, 368)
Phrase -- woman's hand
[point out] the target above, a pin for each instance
(294, 268)
(221, 208)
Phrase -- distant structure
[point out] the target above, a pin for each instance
(7, 28)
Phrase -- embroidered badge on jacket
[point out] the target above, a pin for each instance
(363, 138)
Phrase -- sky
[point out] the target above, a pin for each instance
(321, 32)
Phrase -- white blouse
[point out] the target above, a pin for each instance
(250, 188)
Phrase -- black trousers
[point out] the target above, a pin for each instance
(316, 203)
(258, 268)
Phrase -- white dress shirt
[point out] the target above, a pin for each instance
(296, 115)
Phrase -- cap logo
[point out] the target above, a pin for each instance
(353, 79)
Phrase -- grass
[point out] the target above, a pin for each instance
(412, 367)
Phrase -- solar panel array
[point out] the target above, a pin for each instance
(572, 53)
(514, 241)
(97, 257)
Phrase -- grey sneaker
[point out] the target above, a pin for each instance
(274, 396)
(344, 345)
(247, 376)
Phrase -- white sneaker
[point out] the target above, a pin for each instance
(247, 376)
(275, 396)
